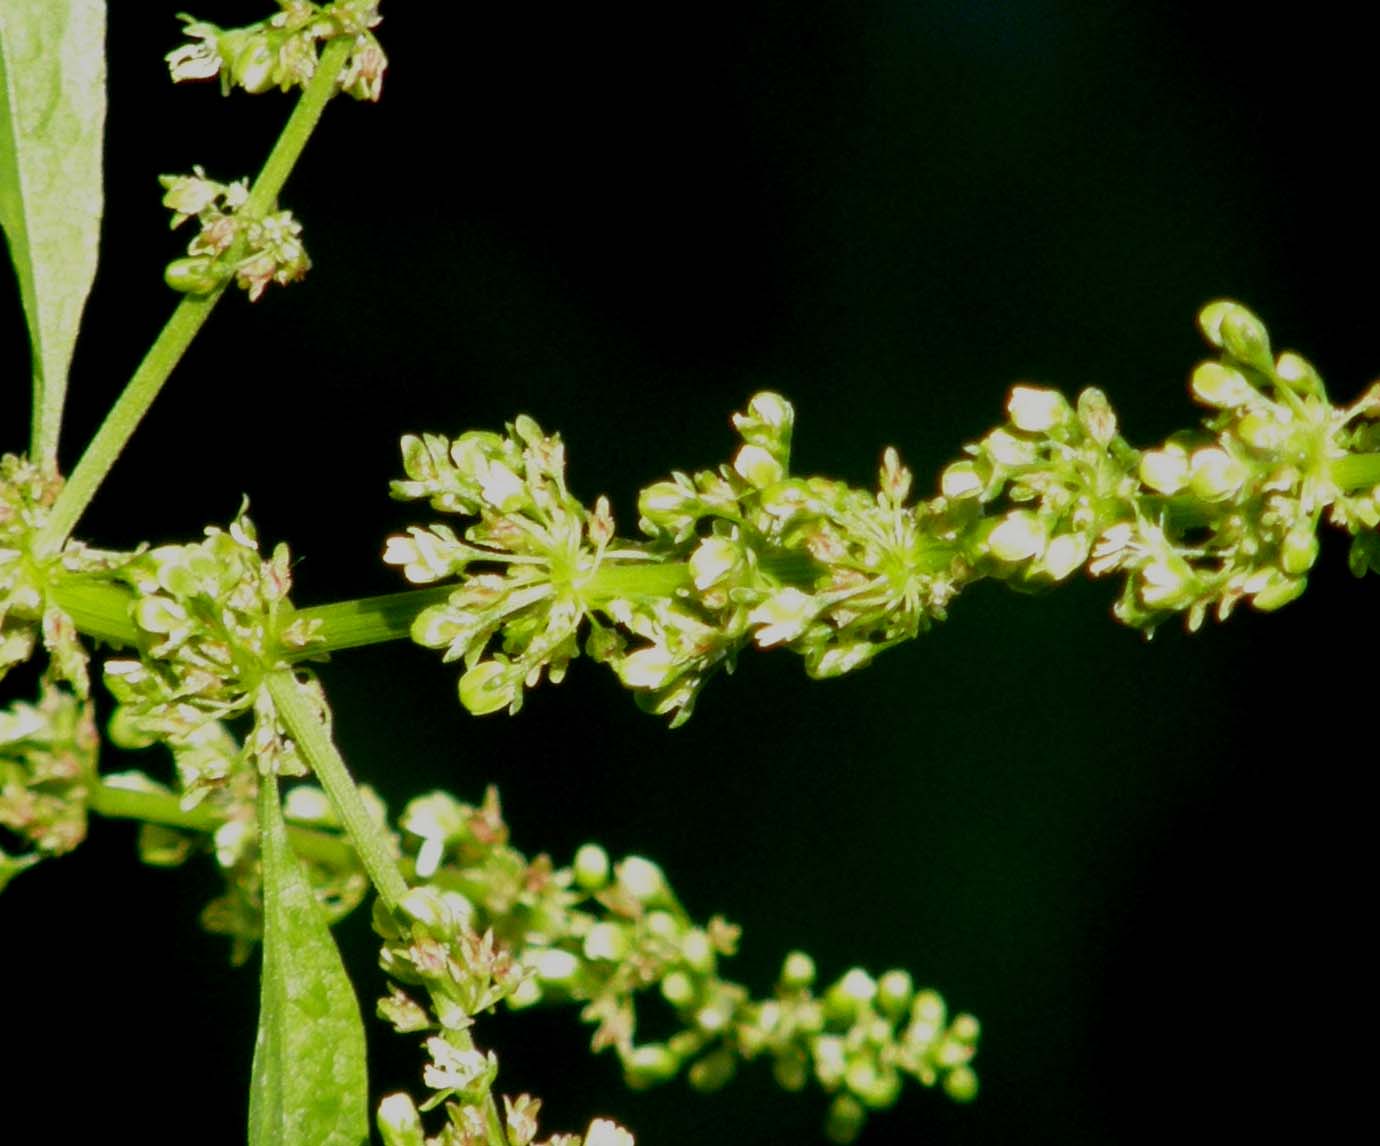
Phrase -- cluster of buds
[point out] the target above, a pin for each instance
(859, 1038)
(284, 50)
(1231, 513)
(212, 618)
(1064, 472)
(604, 934)
(253, 250)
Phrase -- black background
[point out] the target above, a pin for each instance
(1140, 864)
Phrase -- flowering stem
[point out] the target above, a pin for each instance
(186, 320)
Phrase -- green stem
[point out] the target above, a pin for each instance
(99, 609)
(116, 803)
(187, 319)
(369, 620)
(370, 842)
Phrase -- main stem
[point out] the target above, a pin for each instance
(187, 319)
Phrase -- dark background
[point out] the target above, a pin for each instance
(1139, 864)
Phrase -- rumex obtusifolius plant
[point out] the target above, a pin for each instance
(213, 660)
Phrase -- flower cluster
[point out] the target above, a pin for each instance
(212, 617)
(254, 251)
(490, 925)
(524, 564)
(283, 51)
(27, 612)
(743, 554)
(47, 768)
(26, 495)
(834, 573)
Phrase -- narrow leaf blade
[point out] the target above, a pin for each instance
(52, 121)
(310, 1083)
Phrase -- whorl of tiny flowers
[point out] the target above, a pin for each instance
(212, 618)
(522, 565)
(255, 251)
(47, 769)
(284, 50)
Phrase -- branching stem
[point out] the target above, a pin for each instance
(187, 319)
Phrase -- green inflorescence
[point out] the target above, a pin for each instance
(750, 554)
(487, 925)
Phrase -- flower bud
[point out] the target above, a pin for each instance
(1298, 374)
(607, 942)
(1261, 431)
(1215, 474)
(878, 1088)
(605, 1132)
(1065, 553)
(488, 687)
(1222, 387)
(1233, 328)
(1165, 471)
(554, 966)
(650, 1064)
(712, 1072)
(848, 996)
(591, 867)
(641, 879)
(679, 989)
(798, 971)
(1300, 549)
(961, 480)
(254, 65)
(895, 990)
(961, 1084)
(1037, 410)
(196, 274)
(1019, 536)
(756, 466)
(845, 1120)
(398, 1121)
(698, 951)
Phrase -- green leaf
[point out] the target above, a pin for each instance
(310, 1082)
(52, 120)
